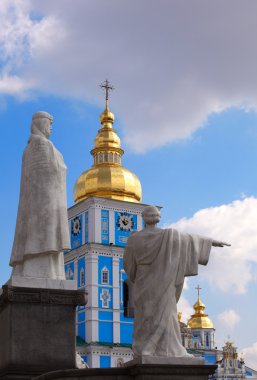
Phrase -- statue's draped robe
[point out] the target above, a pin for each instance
(42, 225)
(157, 261)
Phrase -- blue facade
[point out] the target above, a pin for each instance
(126, 333)
(105, 332)
(105, 226)
(125, 223)
(81, 317)
(105, 361)
(76, 232)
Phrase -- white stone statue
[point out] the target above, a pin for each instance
(157, 261)
(42, 232)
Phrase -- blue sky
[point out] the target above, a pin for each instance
(185, 108)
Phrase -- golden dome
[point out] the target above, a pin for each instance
(199, 320)
(107, 177)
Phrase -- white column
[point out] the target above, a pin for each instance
(97, 236)
(94, 361)
(92, 334)
(91, 224)
(113, 361)
(116, 299)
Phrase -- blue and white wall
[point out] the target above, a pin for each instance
(99, 230)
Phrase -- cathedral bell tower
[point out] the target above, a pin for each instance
(107, 209)
(201, 326)
(107, 177)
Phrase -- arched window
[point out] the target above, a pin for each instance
(111, 157)
(82, 277)
(105, 157)
(115, 157)
(101, 157)
(69, 274)
(207, 340)
(105, 276)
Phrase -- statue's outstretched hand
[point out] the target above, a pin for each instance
(216, 243)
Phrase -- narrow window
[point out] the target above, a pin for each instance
(105, 276)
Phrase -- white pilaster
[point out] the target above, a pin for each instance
(116, 326)
(116, 299)
(94, 361)
(92, 279)
(92, 334)
(97, 222)
(91, 224)
(113, 361)
(116, 282)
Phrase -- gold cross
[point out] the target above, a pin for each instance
(107, 86)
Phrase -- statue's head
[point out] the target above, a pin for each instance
(151, 215)
(42, 123)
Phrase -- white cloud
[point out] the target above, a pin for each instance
(173, 62)
(229, 318)
(250, 356)
(230, 269)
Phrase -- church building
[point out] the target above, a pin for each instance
(107, 209)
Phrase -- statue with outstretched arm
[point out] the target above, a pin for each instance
(157, 261)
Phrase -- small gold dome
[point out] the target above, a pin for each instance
(107, 116)
(107, 138)
(199, 320)
(107, 177)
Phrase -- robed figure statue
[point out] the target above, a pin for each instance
(42, 232)
(157, 261)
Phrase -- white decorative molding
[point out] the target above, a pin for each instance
(105, 297)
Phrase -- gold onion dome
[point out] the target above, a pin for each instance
(107, 177)
(199, 320)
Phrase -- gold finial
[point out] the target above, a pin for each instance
(107, 86)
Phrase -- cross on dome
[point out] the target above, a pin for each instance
(107, 87)
(198, 290)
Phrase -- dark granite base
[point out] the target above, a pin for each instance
(137, 372)
(37, 330)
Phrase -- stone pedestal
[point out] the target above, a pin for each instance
(37, 330)
(137, 372)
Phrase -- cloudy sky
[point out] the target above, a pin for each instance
(185, 101)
